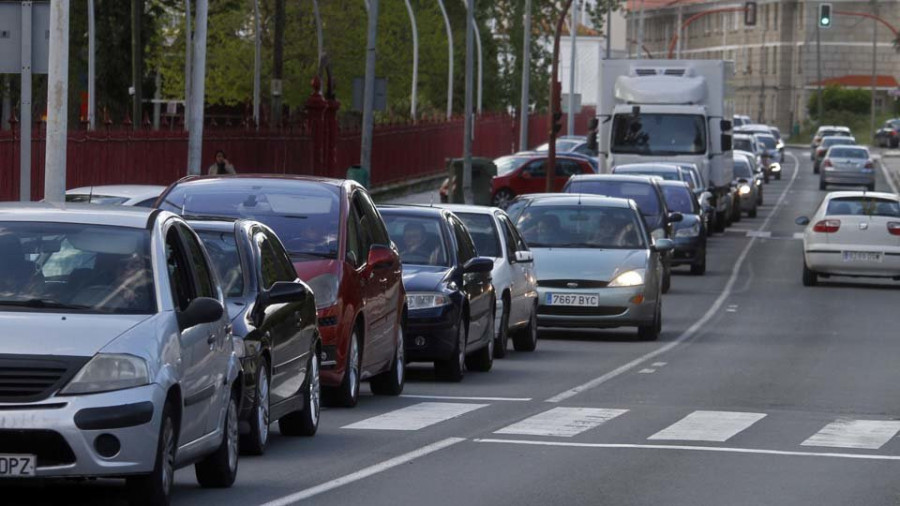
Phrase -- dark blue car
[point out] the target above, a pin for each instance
(449, 294)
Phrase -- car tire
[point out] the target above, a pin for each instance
(651, 332)
(255, 442)
(759, 197)
(822, 185)
(501, 344)
(895, 144)
(752, 212)
(346, 395)
(719, 222)
(483, 359)
(667, 279)
(736, 215)
(219, 469)
(454, 368)
(391, 382)
(155, 489)
(698, 268)
(502, 198)
(306, 421)
(810, 277)
(526, 338)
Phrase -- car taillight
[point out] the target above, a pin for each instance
(870, 165)
(820, 152)
(894, 227)
(827, 226)
(826, 163)
(893, 133)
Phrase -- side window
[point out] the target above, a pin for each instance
(511, 244)
(286, 270)
(520, 243)
(566, 168)
(378, 231)
(179, 273)
(536, 168)
(268, 264)
(204, 279)
(365, 226)
(465, 247)
(355, 253)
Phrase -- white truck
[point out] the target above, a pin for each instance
(671, 111)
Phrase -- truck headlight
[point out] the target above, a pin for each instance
(426, 300)
(325, 287)
(628, 278)
(692, 231)
(107, 372)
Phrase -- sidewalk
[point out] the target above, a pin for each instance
(889, 161)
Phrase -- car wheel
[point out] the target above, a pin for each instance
(306, 421)
(254, 443)
(736, 214)
(651, 332)
(454, 367)
(752, 212)
(219, 469)
(526, 339)
(483, 359)
(895, 143)
(719, 222)
(810, 278)
(347, 393)
(391, 381)
(699, 267)
(501, 344)
(502, 198)
(155, 488)
(822, 185)
(667, 279)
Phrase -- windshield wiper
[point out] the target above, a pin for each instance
(41, 304)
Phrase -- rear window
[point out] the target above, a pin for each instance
(642, 193)
(419, 239)
(742, 168)
(226, 260)
(743, 144)
(668, 175)
(838, 141)
(484, 233)
(840, 152)
(863, 206)
(679, 199)
(767, 140)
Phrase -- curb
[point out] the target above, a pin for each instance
(416, 185)
(890, 173)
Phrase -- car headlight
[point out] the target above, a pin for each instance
(775, 167)
(692, 231)
(325, 287)
(107, 372)
(628, 278)
(426, 300)
(744, 189)
(759, 182)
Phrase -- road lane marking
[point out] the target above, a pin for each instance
(562, 422)
(717, 426)
(714, 449)
(692, 330)
(764, 234)
(459, 398)
(365, 473)
(415, 417)
(658, 364)
(798, 235)
(887, 175)
(864, 434)
(647, 371)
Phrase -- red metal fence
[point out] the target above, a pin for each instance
(399, 152)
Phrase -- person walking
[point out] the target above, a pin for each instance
(222, 165)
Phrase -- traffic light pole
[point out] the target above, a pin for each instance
(818, 73)
(555, 87)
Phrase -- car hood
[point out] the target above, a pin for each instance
(40, 333)
(423, 278)
(586, 263)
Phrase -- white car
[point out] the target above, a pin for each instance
(513, 275)
(853, 233)
(139, 195)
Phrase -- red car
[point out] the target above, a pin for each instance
(340, 247)
(526, 173)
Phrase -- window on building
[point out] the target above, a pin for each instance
(735, 21)
(799, 59)
(775, 16)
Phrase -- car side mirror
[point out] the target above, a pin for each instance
(201, 310)
(675, 217)
(802, 221)
(479, 265)
(524, 257)
(663, 245)
(283, 292)
(725, 125)
(726, 142)
(706, 195)
(380, 256)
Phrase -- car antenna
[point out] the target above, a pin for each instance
(90, 194)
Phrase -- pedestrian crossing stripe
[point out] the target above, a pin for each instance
(562, 422)
(715, 426)
(863, 434)
(416, 417)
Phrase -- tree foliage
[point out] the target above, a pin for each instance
(841, 100)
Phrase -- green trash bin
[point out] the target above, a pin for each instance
(483, 170)
(359, 174)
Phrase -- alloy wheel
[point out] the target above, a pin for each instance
(168, 462)
(401, 365)
(231, 432)
(262, 406)
(314, 394)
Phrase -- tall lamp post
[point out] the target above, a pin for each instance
(555, 98)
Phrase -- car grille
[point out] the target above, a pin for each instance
(565, 283)
(29, 378)
(581, 311)
(49, 446)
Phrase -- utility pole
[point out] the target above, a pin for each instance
(415, 69)
(57, 104)
(818, 70)
(365, 157)
(678, 33)
(449, 59)
(320, 45)
(763, 68)
(524, 107)
(555, 89)
(137, 64)
(608, 29)
(188, 72)
(471, 13)
(640, 34)
(198, 91)
(26, 123)
(874, 65)
(468, 197)
(573, 36)
(278, 64)
(257, 63)
(157, 84)
(6, 107)
(92, 63)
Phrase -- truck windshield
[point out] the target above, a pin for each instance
(659, 134)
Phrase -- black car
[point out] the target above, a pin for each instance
(888, 136)
(646, 193)
(690, 232)
(275, 314)
(449, 295)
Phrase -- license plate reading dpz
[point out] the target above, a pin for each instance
(16, 466)
(573, 299)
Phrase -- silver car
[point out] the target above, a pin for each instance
(596, 264)
(124, 364)
(141, 195)
(847, 165)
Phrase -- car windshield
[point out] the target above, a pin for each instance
(863, 206)
(95, 199)
(73, 267)
(767, 140)
(743, 144)
(842, 133)
(776, 133)
(507, 164)
(742, 169)
(642, 193)
(679, 199)
(668, 175)
(838, 141)
(419, 239)
(659, 134)
(841, 152)
(305, 216)
(223, 252)
(581, 226)
(484, 233)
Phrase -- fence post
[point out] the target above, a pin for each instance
(315, 123)
(331, 128)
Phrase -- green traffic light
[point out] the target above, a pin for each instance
(826, 21)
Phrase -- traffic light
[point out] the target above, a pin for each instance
(592, 136)
(557, 122)
(825, 15)
(750, 14)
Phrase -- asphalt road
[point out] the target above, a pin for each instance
(759, 391)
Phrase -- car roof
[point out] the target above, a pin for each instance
(614, 177)
(585, 199)
(839, 137)
(657, 166)
(850, 146)
(267, 177)
(412, 210)
(680, 184)
(89, 214)
(861, 193)
(119, 190)
(743, 136)
(468, 208)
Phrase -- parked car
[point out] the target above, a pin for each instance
(140, 195)
(340, 248)
(848, 165)
(569, 144)
(888, 136)
(449, 293)
(826, 131)
(513, 275)
(648, 196)
(852, 233)
(690, 232)
(526, 173)
(274, 313)
(666, 171)
(827, 142)
(748, 186)
(128, 368)
(596, 263)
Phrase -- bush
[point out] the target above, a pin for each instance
(839, 100)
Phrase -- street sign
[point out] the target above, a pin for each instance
(380, 94)
(565, 103)
(11, 38)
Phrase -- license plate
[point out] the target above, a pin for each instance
(572, 299)
(862, 256)
(16, 466)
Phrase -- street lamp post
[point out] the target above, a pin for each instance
(554, 97)
(449, 59)
(415, 69)
(92, 56)
(573, 36)
(198, 91)
(526, 78)
(57, 104)
(257, 63)
(468, 198)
